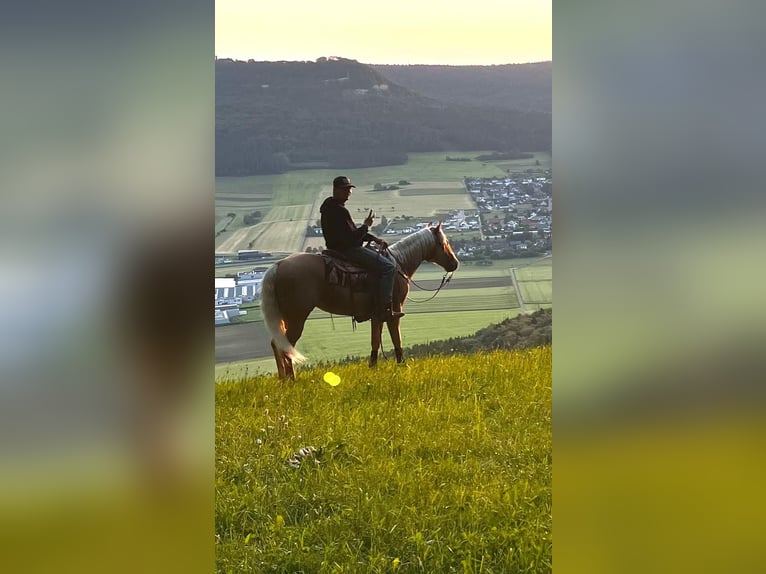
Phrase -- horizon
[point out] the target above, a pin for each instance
(310, 60)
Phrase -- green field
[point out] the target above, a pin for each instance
(300, 187)
(440, 466)
(447, 300)
(222, 222)
(498, 268)
(535, 273)
(321, 341)
(304, 189)
(535, 291)
(453, 312)
(407, 192)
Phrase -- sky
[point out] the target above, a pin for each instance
(468, 32)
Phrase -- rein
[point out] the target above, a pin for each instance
(446, 279)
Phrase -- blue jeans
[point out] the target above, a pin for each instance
(379, 265)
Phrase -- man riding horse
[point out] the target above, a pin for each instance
(342, 235)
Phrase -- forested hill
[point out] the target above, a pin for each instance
(525, 87)
(272, 117)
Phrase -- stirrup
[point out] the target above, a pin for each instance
(387, 314)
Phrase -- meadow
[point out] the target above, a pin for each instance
(326, 339)
(535, 285)
(282, 229)
(443, 465)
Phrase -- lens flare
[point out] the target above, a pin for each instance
(331, 379)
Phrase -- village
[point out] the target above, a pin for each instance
(515, 215)
(513, 219)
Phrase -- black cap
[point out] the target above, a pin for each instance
(342, 181)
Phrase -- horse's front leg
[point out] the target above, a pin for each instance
(396, 339)
(376, 334)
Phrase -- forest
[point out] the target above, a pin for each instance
(273, 117)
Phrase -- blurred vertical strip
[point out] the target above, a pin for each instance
(106, 337)
(660, 236)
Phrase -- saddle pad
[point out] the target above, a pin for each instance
(340, 272)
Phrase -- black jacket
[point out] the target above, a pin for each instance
(338, 228)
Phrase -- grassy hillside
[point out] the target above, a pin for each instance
(440, 466)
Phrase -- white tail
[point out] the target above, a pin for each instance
(273, 317)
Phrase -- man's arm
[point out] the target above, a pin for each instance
(361, 234)
(370, 237)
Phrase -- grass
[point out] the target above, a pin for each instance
(498, 268)
(448, 300)
(440, 466)
(536, 291)
(323, 342)
(425, 322)
(535, 273)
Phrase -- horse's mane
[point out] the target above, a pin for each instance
(413, 246)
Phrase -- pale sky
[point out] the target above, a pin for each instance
(458, 32)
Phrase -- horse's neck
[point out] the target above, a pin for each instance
(410, 255)
(409, 269)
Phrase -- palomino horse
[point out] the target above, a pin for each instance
(294, 286)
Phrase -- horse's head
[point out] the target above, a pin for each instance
(442, 253)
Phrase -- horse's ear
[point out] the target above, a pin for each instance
(439, 227)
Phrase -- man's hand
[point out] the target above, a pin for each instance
(381, 242)
(370, 219)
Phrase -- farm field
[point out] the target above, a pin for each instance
(520, 165)
(449, 299)
(499, 268)
(322, 342)
(423, 202)
(428, 172)
(534, 273)
(535, 284)
(283, 229)
(535, 291)
(484, 293)
(442, 466)
(430, 271)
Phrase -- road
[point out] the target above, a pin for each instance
(241, 342)
(518, 291)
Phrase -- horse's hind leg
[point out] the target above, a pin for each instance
(376, 334)
(280, 358)
(294, 331)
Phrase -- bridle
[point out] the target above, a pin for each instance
(446, 278)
